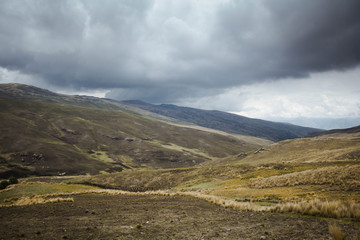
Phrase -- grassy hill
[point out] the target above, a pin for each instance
(335, 132)
(50, 139)
(314, 176)
(227, 122)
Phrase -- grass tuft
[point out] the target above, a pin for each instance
(316, 207)
(336, 232)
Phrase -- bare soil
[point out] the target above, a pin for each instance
(98, 216)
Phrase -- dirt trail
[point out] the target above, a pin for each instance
(99, 216)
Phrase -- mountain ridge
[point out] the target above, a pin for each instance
(213, 119)
(227, 122)
(355, 129)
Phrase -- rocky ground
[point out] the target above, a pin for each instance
(100, 216)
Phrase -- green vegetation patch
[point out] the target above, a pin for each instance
(102, 156)
(36, 188)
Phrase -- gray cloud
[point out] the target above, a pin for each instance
(163, 51)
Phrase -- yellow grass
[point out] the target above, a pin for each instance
(24, 201)
(316, 207)
(334, 209)
(178, 148)
(336, 232)
(40, 188)
(247, 206)
(307, 150)
(102, 156)
(348, 177)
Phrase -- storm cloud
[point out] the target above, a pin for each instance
(165, 51)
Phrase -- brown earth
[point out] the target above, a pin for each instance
(98, 216)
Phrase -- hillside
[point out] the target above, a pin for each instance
(336, 131)
(313, 176)
(227, 122)
(222, 121)
(51, 139)
(27, 92)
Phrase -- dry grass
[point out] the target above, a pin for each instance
(306, 150)
(316, 207)
(246, 206)
(348, 177)
(147, 180)
(55, 197)
(28, 189)
(336, 232)
(24, 201)
(333, 209)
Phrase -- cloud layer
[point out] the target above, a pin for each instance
(168, 51)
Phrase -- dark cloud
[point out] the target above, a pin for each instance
(162, 51)
(282, 38)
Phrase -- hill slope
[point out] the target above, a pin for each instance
(297, 170)
(50, 139)
(222, 121)
(336, 131)
(27, 92)
(227, 122)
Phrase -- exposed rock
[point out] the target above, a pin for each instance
(69, 131)
(261, 150)
(242, 154)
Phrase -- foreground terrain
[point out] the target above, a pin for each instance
(101, 216)
(298, 189)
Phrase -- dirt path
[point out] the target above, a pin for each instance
(98, 216)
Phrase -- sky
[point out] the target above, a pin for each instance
(280, 60)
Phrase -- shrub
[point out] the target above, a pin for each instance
(13, 180)
(4, 184)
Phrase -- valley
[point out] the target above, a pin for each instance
(94, 168)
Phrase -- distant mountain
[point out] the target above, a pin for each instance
(322, 123)
(227, 122)
(44, 133)
(333, 131)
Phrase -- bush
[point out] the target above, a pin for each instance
(4, 184)
(13, 180)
